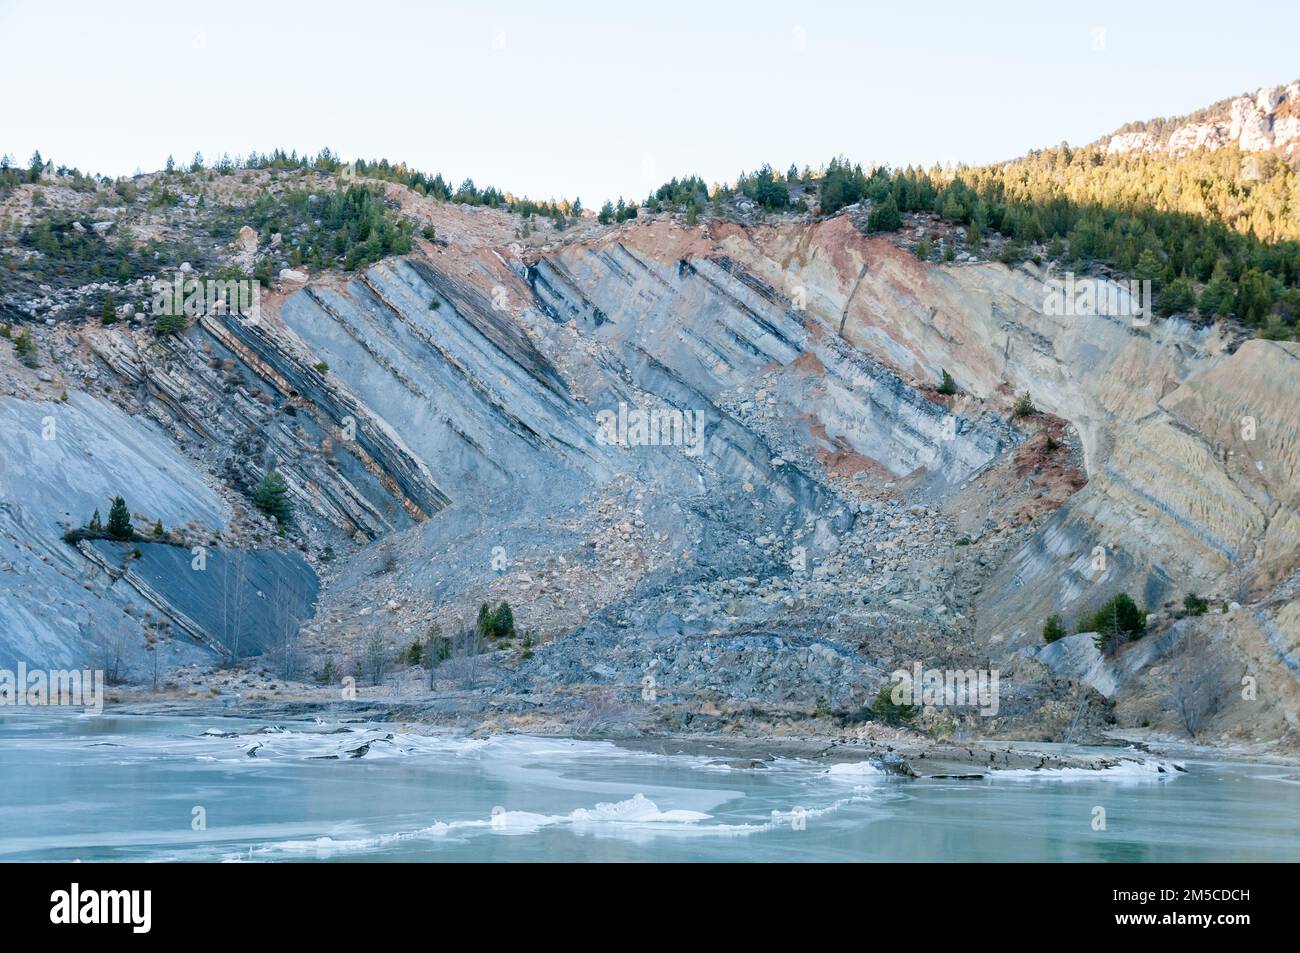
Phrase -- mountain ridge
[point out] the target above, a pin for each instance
(1267, 120)
(905, 459)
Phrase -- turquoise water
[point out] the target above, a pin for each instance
(98, 788)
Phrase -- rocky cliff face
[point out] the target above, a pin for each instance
(805, 513)
(813, 352)
(1268, 121)
(1189, 444)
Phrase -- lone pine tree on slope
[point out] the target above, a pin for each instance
(272, 497)
(119, 520)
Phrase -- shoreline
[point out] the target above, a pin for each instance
(903, 753)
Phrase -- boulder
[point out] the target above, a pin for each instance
(247, 239)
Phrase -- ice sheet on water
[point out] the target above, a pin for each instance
(611, 817)
(1126, 770)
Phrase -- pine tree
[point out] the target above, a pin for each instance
(1217, 296)
(1254, 296)
(96, 525)
(1149, 267)
(415, 654)
(25, 346)
(1116, 621)
(119, 520)
(437, 648)
(1176, 298)
(503, 622)
(169, 324)
(885, 216)
(951, 208)
(272, 497)
(109, 314)
(947, 386)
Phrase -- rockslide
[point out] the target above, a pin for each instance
(435, 419)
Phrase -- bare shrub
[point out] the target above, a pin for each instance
(108, 651)
(600, 709)
(1194, 680)
(437, 650)
(375, 662)
(463, 667)
(283, 652)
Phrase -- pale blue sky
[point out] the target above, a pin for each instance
(601, 99)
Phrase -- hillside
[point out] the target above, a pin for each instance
(875, 445)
